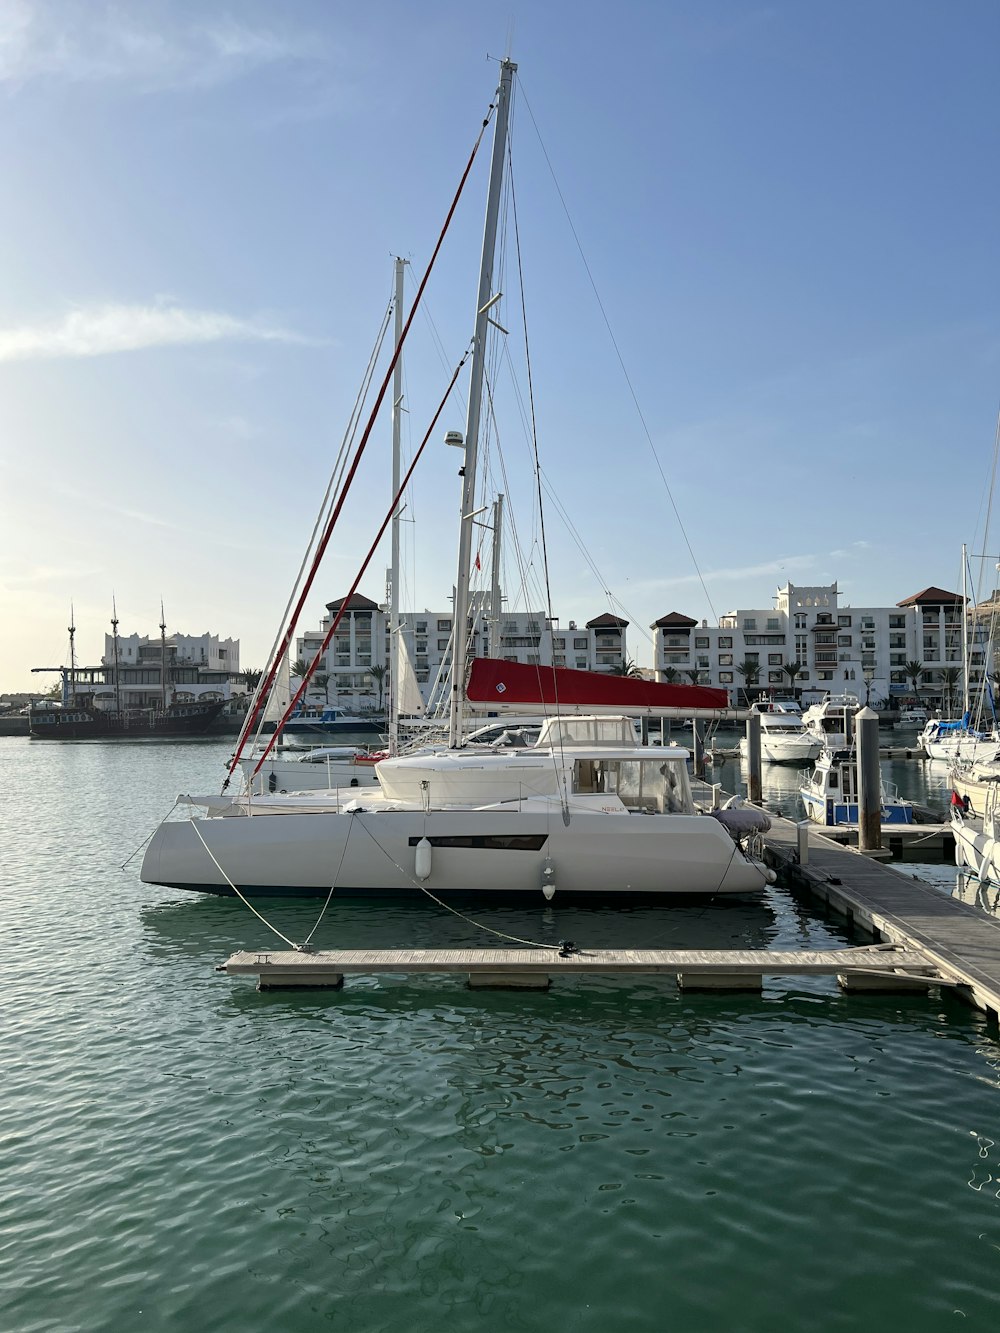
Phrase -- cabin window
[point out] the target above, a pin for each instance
(642, 785)
(833, 780)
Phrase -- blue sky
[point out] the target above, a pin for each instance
(789, 211)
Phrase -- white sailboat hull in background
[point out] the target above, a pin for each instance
(490, 851)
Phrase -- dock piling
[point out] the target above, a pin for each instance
(754, 788)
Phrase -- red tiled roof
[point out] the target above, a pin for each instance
(607, 621)
(674, 619)
(933, 597)
(357, 603)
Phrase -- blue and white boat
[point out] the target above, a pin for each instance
(316, 723)
(830, 795)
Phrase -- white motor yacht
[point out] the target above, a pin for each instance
(784, 739)
(832, 721)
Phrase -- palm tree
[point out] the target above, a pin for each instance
(750, 671)
(251, 678)
(950, 677)
(322, 682)
(299, 670)
(791, 670)
(694, 675)
(670, 675)
(378, 673)
(626, 668)
(914, 674)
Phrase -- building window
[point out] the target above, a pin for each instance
(773, 622)
(725, 659)
(725, 678)
(444, 626)
(843, 640)
(774, 677)
(579, 643)
(774, 659)
(701, 642)
(443, 645)
(801, 620)
(749, 624)
(824, 675)
(844, 620)
(726, 642)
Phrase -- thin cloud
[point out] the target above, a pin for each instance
(782, 565)
(111, 43)
(103, 330)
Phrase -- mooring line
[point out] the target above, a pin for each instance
(491, 930)
(151, 835)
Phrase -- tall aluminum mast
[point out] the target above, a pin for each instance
(483, 304)
(496, 608)
(395, 673)
(965, 634)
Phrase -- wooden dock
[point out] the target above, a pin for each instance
(961, 940)
(901, 842)
(880, 966)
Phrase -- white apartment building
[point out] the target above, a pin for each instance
(837, 649)
(199, 667)
(357, 660)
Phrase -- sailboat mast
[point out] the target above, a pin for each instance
(495, 605)
(163, 659)
(965, 635)
(118, 669)
(395, 657)
(72, 657)
(484, 302)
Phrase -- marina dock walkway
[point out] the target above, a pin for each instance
(960, 939)
(883, 966)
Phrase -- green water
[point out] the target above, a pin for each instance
(182, 1153)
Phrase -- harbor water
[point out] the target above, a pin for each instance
(183, 1153)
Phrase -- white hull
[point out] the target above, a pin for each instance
(484, 851)
(958, 746)
(330, 773)
(977, 848)
(794, 749)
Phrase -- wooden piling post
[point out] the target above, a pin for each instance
(754, 788)
(869, 782)
(698, 747)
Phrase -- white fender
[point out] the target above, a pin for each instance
(548, 880)
(423, 859)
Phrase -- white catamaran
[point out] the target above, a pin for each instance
(585, 809)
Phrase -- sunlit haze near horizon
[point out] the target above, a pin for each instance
(760, 285)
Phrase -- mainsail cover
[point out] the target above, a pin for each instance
(498, 686)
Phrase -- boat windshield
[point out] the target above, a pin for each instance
(655, 785)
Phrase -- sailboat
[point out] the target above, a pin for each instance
(81, 715)
(960, 739)
(585, 810)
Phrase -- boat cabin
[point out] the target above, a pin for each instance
(658, 785)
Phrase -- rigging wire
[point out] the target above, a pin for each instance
(327, 501)
(621, 362)
(335, 620)
(352, 472)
